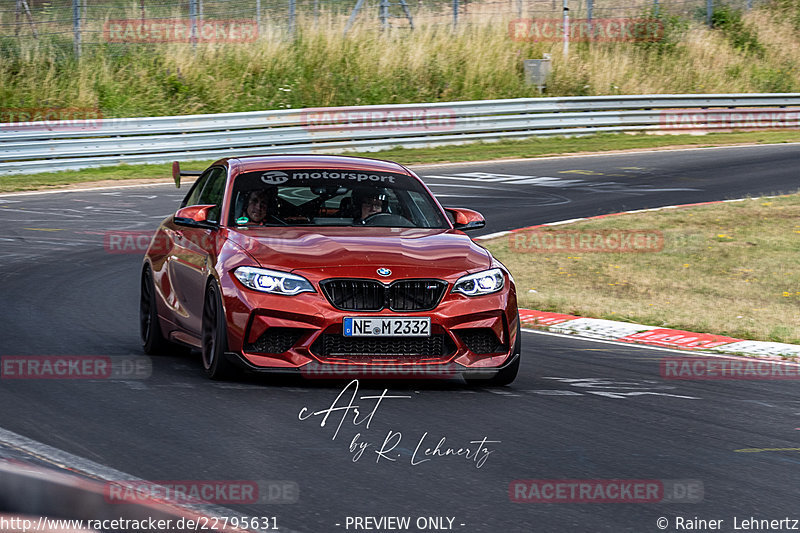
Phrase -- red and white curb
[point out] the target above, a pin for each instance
(597, 328)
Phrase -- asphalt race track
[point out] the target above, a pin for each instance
(580, 409)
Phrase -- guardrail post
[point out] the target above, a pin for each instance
(23, 4)
(655, 7)
(709, 11)
(76, 27)
(455, 13)
(566, 30)
(258, 17)
(589, 10)
(17, 13)
(383, 14)
(353, 16)
(193, 21)
(291, 17)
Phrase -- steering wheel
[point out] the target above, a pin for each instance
(276, 219)
(387, 219)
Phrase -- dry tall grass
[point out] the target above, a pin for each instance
(321, 66)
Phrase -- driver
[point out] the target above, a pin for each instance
(367, 203)
(257, 205)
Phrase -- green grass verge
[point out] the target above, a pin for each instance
(536, 147)
(727, 268)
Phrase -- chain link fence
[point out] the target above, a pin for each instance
(84, 25)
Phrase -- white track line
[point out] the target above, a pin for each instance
(602, 217)
(464, 163)
(601, 154)
(685, 353)
(90, 189)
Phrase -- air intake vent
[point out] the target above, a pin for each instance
(332, 345)
(275, 340)
(481, 341)
(372, 295)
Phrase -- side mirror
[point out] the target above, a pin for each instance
(465, 219)
(194, 216)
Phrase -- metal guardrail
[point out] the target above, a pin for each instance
(47, 146)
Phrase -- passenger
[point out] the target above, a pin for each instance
(367, 203)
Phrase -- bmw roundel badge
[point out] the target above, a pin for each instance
(384, 272)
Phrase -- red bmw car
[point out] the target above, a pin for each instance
(327, 266)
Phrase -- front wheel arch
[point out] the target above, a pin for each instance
(214, 334)
(153, 340)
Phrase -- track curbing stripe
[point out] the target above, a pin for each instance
(625, 332)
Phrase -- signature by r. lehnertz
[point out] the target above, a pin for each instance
(346, 408)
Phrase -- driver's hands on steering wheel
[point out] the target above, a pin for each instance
(390, 220)
(365, 221)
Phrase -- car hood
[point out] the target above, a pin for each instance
(358, 252)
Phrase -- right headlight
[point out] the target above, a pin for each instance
(272, 281)
(480, 283)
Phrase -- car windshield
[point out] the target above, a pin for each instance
(331, 197)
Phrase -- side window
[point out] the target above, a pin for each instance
(430, 217)
(213, 192)
(193, 197)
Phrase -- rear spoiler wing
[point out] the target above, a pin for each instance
(177, 173)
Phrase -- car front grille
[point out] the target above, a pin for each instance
(335, 345)
(372, 295)
(415, 295)
(275, 340)
(481, 341)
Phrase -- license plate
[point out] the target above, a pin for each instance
(387, 327)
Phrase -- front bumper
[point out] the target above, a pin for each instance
(324, 371)
(303, 334)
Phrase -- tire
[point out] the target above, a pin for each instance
(153, 341)
(506, 375)
(214, 336)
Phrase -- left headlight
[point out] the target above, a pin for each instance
(272, 281)
(481, 283)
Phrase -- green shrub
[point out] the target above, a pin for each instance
(729, 21)
(674, 31)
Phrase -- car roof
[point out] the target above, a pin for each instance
(278, 162)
